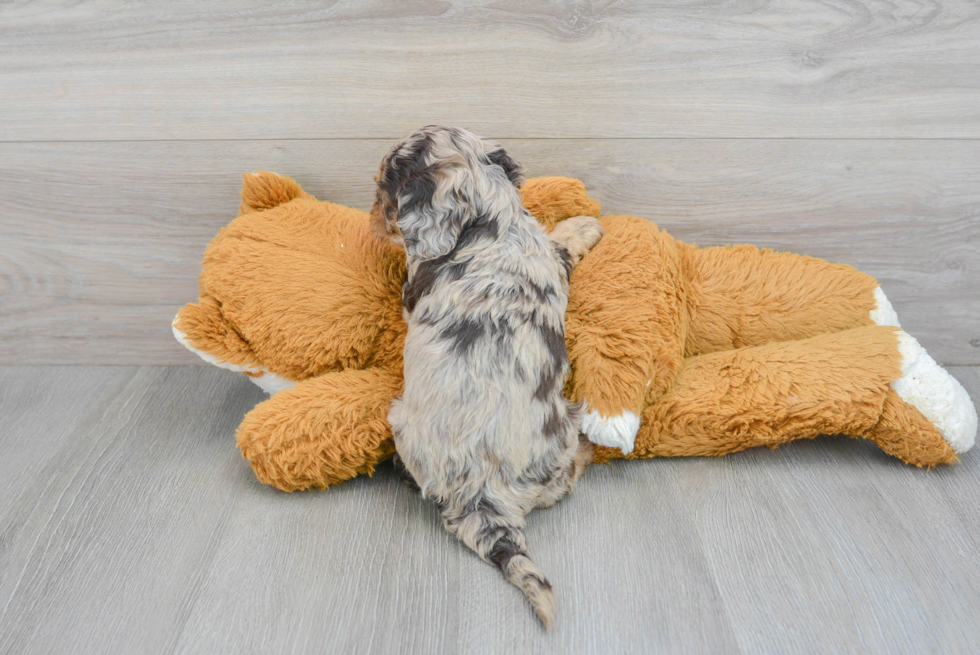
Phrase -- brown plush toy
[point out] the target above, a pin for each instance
(675, 350)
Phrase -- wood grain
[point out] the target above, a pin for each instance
(510, 69)
(36, 404)
(102, 241)
(832, 546)
(116, 522)
(137, 527)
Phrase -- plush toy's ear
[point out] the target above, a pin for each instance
(263, 190)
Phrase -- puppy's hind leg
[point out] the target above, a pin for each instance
(564, 480)
(574, 237)
(402, 472)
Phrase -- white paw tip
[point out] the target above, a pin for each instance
(272, 383)
(269, 382)
(614, 431)
(883, 313)
(937, 394)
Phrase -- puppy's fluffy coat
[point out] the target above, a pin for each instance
(482, 426)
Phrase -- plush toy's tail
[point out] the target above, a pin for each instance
(500, 540)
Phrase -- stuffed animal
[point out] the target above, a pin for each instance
(675, 350)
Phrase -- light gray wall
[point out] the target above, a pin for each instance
(845, 131)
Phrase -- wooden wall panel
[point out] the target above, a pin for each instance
(101, 242)
(514, 68)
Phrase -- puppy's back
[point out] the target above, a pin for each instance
(485, 356)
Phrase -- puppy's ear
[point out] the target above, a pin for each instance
(514, 171)
(433, 206)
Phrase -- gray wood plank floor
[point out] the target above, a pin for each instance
(131, 524)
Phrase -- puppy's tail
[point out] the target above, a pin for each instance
(521, 571)
(499, 540)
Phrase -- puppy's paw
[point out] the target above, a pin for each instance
(588, 229)
(577, 235)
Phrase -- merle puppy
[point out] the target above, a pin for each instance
(482, 426)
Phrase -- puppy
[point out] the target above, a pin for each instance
(482, 426)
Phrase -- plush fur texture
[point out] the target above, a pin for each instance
(715, 349)
(482, 426)
(718, 405)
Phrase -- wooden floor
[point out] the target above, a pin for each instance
(130, 524)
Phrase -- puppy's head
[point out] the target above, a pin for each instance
(434, 182)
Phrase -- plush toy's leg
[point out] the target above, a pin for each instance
(746, 296)
(626, 323)
(323, 431)
(840, 383)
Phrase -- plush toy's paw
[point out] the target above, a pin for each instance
(936, 394)
(617, 431)
(927, 386)
(266, 380)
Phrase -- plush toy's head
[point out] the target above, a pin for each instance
(435, 182)
(300, 289)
